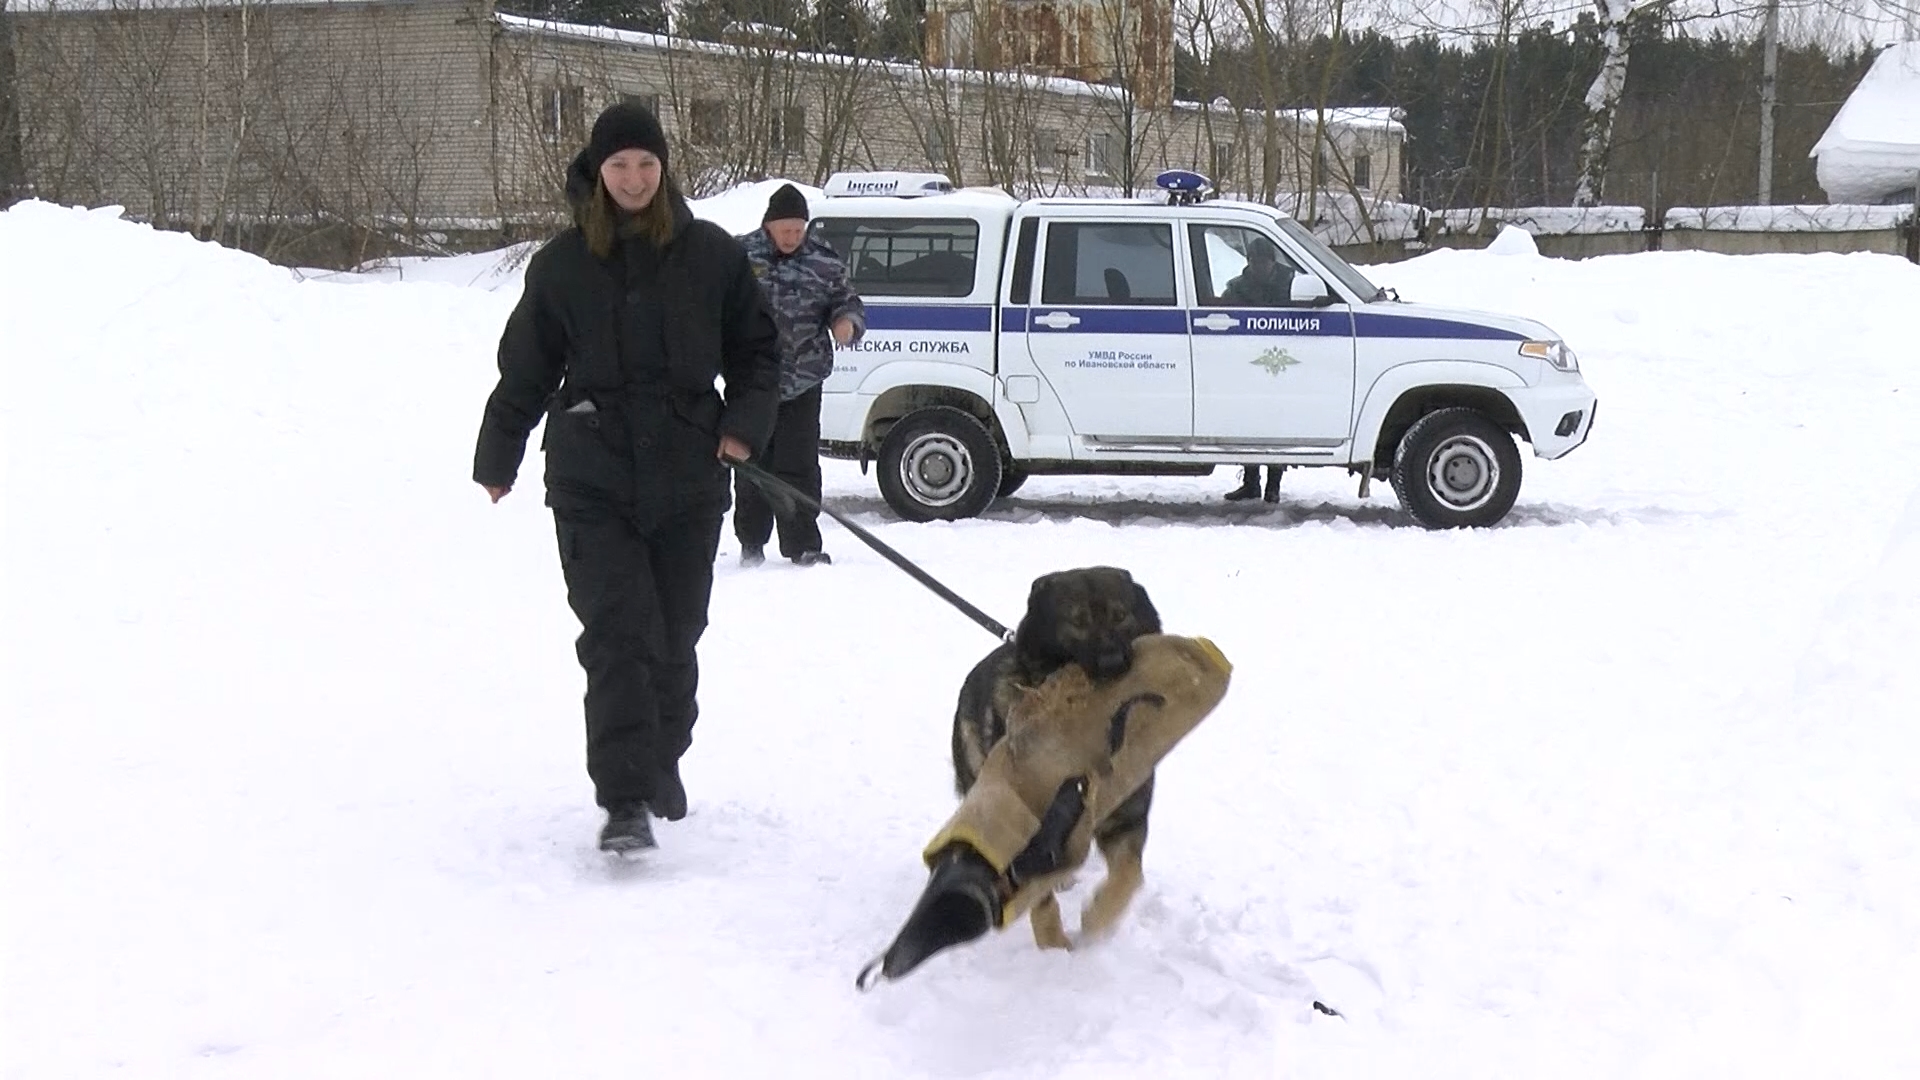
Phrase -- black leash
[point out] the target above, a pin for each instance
(781, 491)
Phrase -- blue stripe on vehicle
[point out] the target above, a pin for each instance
(1111, 320)
(948, 318)
(1369, 324)
(974, 318)
(1271, 323)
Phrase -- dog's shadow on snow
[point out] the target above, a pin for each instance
(870, 510)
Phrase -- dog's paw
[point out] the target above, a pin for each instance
(1048, 931)
(1053, 938)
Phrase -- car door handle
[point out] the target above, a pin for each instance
(1057, 320)
(1217, 321)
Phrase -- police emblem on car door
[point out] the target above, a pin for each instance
(1266, 372)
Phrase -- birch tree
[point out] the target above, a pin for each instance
(1617, 20)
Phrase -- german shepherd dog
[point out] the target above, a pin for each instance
(1089, 616)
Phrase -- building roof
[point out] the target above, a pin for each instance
(1871, 150)
(1368, 117)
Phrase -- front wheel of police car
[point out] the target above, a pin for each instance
(939, 464)
(1455, 468)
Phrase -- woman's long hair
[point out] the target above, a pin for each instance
(654, 224)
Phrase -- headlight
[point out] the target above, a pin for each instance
(1553, 352)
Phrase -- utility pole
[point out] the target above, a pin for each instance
(1769, 93)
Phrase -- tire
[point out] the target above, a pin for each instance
(1010, 480)
(939, 464)
(1456, 469)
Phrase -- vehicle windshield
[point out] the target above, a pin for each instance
(1351, 278)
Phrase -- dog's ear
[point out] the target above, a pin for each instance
(1028, 635)
(1144, 612)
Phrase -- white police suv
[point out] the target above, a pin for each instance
(1164, 336)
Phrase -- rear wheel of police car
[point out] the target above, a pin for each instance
(1455, 469)
(939, 464)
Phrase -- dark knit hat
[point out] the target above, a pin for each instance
(787, 204)
(624, 126)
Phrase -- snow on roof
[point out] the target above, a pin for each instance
(1344, 117)
(1872, 149)
(1367, 116)
(645, 40)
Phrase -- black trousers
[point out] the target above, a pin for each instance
(793, 455)
(640, 593)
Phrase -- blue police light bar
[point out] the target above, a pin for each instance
(1183, 185)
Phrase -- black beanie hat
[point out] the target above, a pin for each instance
(787, 204)
(624, 126)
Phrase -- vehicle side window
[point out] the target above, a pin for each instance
(1099, 264)
(905, 256)
(1239, 267)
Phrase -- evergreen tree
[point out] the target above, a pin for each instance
(647, 15)
(902, 24)
(841, 26)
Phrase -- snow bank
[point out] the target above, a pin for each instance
(738, 209)
(1871, 150)
(1513, 241)
(293, 770)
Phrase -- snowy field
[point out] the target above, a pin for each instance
(294, 781)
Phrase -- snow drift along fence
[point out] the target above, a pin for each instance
(1584, 232)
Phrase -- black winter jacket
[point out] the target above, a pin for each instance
(622, 355)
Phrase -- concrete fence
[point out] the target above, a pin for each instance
(1587, 232)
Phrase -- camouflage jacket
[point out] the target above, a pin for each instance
(809, 291)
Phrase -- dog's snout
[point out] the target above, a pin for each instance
(1110, 662)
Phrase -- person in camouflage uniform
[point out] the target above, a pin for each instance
(816, 308)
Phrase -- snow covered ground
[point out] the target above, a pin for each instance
(293, 750)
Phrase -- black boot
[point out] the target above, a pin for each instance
(669, 795)
(628, 830)
(752, 554)
(813, 558)
(1273, 482)
(1249, 484)
(962, 902)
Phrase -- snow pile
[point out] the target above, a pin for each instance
(495, 270)
(1871, 150)
(739, 209)
(294, 782)
(1513, 241)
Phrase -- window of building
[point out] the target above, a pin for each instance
(789, 130)
(565, 115)
(708, 122)
(1101, 264)
(1102, 158)
(1046, 150)
(1362, 171)
(905, 256)
(934, 141)
(649, 102)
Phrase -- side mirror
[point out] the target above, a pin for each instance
(1310, 291)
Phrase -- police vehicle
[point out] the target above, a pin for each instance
(1164, 335)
